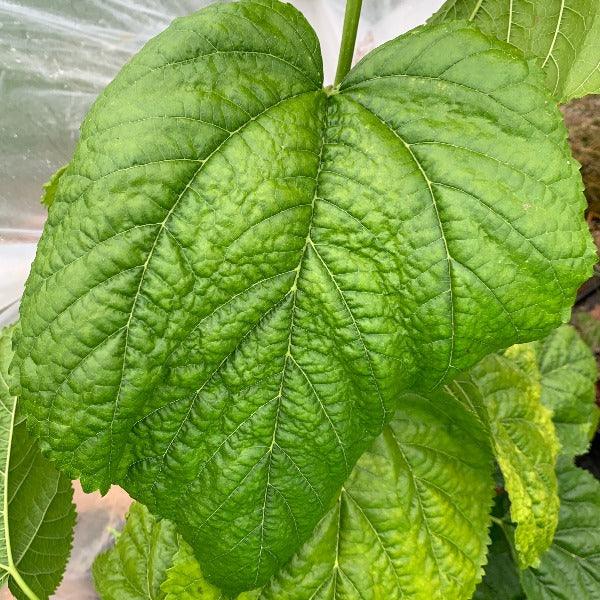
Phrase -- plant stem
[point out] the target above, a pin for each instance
(351, 19)
(14, 573)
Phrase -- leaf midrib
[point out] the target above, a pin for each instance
(293, 290)
(11, 568)
(440, 225)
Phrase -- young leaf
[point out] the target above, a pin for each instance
(241, 270)
(136, 567)
(37, 515)
(412, 519)
(51, 187)
(571, 567)
(526, 446)
(561, 34)
(568, 376)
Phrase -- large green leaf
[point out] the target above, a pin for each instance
(562, 34)
(571, 568)
(568, 376)
(412, 520)
(526, 446)
(241, 270)
(37, 515)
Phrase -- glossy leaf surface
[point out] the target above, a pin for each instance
(562, 34)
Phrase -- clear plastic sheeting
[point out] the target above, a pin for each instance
(55, 58)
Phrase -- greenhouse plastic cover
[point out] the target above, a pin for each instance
(56, 57)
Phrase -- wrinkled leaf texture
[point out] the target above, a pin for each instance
(562, 34)
(411, 521)
(242, 270)
(570, 567)
(136, 566)
(150, 561)
(526, 445)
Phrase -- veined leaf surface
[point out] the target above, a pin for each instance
(185, 581)
(568, 377)
(526, 446)
(136, 567)
(571, 567)
(562, 34)
(412, 520)
(568, 569)
(501, 581)
(37, 514)
(241, 270)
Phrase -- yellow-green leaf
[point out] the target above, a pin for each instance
(526, 446)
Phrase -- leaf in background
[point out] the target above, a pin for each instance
(51, 188)
(562, 34)
(569, 374)
(151, 561)
(185, 580)
(570, 570)
(412, 519)
(526, 446)
(501, 581)
(589, 329)
(37, 515)
(136, 567)
(242, 270)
